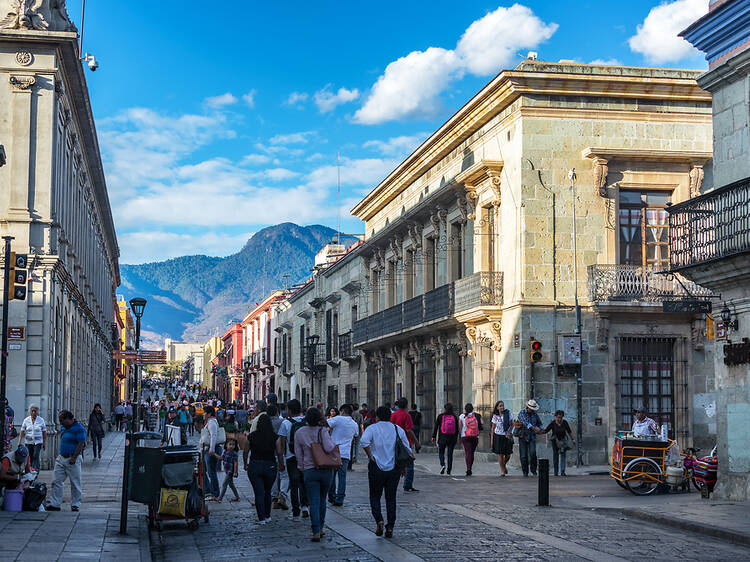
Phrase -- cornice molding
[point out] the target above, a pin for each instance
(686, 156)
(500, 93)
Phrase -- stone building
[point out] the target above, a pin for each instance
(710, 240)
(469, 253)
(125, 368)
(54, 202)
(261, 348)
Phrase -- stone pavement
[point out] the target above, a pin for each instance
(451, 518)
(93, 532)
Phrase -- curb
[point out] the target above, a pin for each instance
(683, 524)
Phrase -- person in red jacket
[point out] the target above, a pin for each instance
(402, 419)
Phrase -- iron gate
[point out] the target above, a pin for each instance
(426, 391)
(372, 385)
(386, 387)
(453, 377)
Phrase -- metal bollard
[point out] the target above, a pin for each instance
(543, 482)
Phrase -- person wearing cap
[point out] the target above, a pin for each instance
(532, 424)
(643, 425)
(33, 434)
(14, 465)
(69, 462)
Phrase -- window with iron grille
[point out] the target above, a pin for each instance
(302, 346)
(329, 341)
(646, 379)
(386, 387)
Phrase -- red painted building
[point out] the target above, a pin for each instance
(230, 365)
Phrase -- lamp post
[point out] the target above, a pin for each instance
(137, 305)
(579, 374)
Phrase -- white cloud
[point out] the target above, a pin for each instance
(397, 146)
(365, 172)
(249, 98)
(492, 42)
(296, 99)
(326, 100)
(221, 101)
(255, 159)
(656, 38)
(606, 62)
(279, 174)
(291, 138)
(410, 87)
(142, 247)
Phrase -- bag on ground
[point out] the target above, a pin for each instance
(34, 496)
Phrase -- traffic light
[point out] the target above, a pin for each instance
(535, 351)
(19, 276)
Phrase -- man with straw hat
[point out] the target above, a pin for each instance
(532, 425)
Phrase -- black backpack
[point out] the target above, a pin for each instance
(34, 496)
(295, 426)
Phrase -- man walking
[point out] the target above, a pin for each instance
(382, 473)
(286, 443)
(402, 419)
(119, 415)
(281, 485)
(343, 431)
(532, 425)
(68, 463)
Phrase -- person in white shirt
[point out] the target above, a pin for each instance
(379, 442)
(343, 431)
(34, 435)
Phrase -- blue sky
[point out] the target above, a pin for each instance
(216, 119)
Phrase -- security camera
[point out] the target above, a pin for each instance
(93, 64)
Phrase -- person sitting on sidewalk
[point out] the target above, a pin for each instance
(68, 463)
(14, 465)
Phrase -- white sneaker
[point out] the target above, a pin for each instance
(305, 512)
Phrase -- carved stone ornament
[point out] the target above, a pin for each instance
(471, 334)
(463, 343)
(415, 348)
(435, 221)
(396, 247)
(22, 83)
(380, 260)
(495, 183)
(461, 204)
(696, 179)
(601, 169)
(602, 332)
(24, 58)
(39, 15)
(415, 235)
(697, 328)
(496, 329)
(472, 197)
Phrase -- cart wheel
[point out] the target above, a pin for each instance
(193, 524)
(646, 476)
(698, 485)
(621, 484)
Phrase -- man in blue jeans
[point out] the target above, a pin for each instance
(402, 419)
(532, 425)
(343, 431)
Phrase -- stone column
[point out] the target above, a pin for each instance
(21, 143)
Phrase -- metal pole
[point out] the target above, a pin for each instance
(543, 495)
(126, 465)
(4, 357)
(579, 374)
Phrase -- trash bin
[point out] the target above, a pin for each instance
(147, 439)
(146, 474)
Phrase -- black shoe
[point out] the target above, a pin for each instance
(442, 470)
(338, 504)
(468, 473)
(51, 508)
(412, 489)
(389, 532)
(379, 529)
(556, 474)
(563, 473)
(74, 508)
(330, 500)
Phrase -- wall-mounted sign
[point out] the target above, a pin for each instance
(16, 333)
(14, 346)
(687, 306)
(720, 331)
(737, 353)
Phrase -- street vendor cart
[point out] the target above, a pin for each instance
(169, 480)
(640, 464)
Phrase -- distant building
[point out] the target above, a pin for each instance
(125, 369)
(190, 355)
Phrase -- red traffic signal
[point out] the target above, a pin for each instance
(535, 348)
(18, 276)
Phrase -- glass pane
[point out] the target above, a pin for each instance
(658, 197)
(631, 197)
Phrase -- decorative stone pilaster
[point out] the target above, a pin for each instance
(696, 179)
(601, 169)
(21, 164)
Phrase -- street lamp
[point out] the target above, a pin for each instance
(137, 305)
(726, 318)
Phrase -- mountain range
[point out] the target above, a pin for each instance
(192, 298)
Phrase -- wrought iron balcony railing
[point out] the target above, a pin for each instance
(429, 307)
(345, 346)
(484, 288)
(638, 284)
(315, 358)
(265, 356)
(712, 226)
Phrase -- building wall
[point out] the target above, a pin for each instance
(57, 209)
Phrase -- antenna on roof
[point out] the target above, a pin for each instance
(337, 240)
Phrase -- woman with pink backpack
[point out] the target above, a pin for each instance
(446, 431)
(470, 424)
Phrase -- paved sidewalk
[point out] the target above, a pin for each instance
(92, 533)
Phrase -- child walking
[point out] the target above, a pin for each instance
(230, 459)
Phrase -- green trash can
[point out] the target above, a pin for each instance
(145, 469)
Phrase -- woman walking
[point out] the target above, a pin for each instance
(317, 480)
(261, 470)
(471, 425)
(211, 451)
(446, 431)
(96, 430)
(33, 435)
(501, 439)
(560, 432)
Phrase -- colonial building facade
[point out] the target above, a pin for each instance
(710, 243)
(471, 251)
(54, 202)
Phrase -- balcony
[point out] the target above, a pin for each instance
(714, 226)
(432, 307)
(346, 352)
(479, 295)
(265, 356)
(315, 358)
(634, 283)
